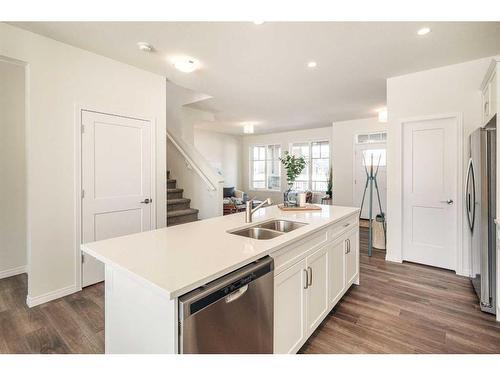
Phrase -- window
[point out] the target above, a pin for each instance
(302, 181)
(372, 157)
(315, 175)
(265, 167)
(371, 138)
(320, 165)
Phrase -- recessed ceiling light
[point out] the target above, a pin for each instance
(258, 22)
(248, 128)
(312, 64)
(424, 31)
(185, 64)
(382, 114)
(145, 47)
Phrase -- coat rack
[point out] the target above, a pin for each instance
(371, 181)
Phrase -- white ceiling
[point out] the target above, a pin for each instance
(258, 72)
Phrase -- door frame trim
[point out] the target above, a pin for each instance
(459, 262)
(77, 209)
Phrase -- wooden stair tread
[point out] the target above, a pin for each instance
(188, 211)
(178, 200)
(175, 190)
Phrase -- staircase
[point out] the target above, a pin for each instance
(179, 209)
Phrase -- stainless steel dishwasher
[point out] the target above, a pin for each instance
(233, 314)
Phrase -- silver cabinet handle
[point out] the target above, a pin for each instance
(310, 272)
(347, 246)
(146, 201)
(307, 279)
(449, 201)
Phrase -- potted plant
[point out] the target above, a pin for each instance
(294, 166)
(329, 184)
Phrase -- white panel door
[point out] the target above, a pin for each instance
(317, 291)
(290, 309)
(430, 192)
(116, 180)
(363, 154)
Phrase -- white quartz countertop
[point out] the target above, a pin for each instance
(178, 259)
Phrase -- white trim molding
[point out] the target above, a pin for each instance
(13, 271)
(55, 294)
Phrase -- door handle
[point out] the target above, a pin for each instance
(310, 273)
(307, 279)
(449, 201)
(146, 201)
(235, 295)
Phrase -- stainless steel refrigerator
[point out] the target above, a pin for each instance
(480, 203)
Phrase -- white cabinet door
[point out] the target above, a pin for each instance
(317, 290)
(290, 309)
(336, 266)
(351, 249)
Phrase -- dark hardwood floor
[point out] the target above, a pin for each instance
(398, 308)
(73, 324)
(405, 308)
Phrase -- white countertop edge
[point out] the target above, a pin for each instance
(177, 293)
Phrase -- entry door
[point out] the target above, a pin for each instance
(116, 182)
(430, 192)
(363, 154)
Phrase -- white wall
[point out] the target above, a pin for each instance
(181, 120)
(223, 152)
(181, 123)
(13, 247)
(284, 139)
(450, 89)
(60, 78)
(343, 138)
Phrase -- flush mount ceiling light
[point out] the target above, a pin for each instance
(312, 64)
(382, 114)
(423, 31)
(248, 128)
(258, 22)
(185, 64)
(145, 47)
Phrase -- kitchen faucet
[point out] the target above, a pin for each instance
(249, 210)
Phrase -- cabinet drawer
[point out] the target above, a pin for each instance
(289, 255)
(345, 225)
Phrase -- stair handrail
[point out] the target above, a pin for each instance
(201, 166)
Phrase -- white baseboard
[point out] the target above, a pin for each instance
(13, 272)
(34, 301)
(393, 259)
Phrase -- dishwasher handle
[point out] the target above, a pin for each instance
(235, 295)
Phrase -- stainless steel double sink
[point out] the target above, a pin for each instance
(268, 229)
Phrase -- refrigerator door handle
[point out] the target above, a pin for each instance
(470, 201)
(473, 200)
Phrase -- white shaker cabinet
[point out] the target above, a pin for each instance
(311, 280)
(317, 288)
(351, 250)
(290, 308)
(336, 270)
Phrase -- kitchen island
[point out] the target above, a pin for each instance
(147, 272)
